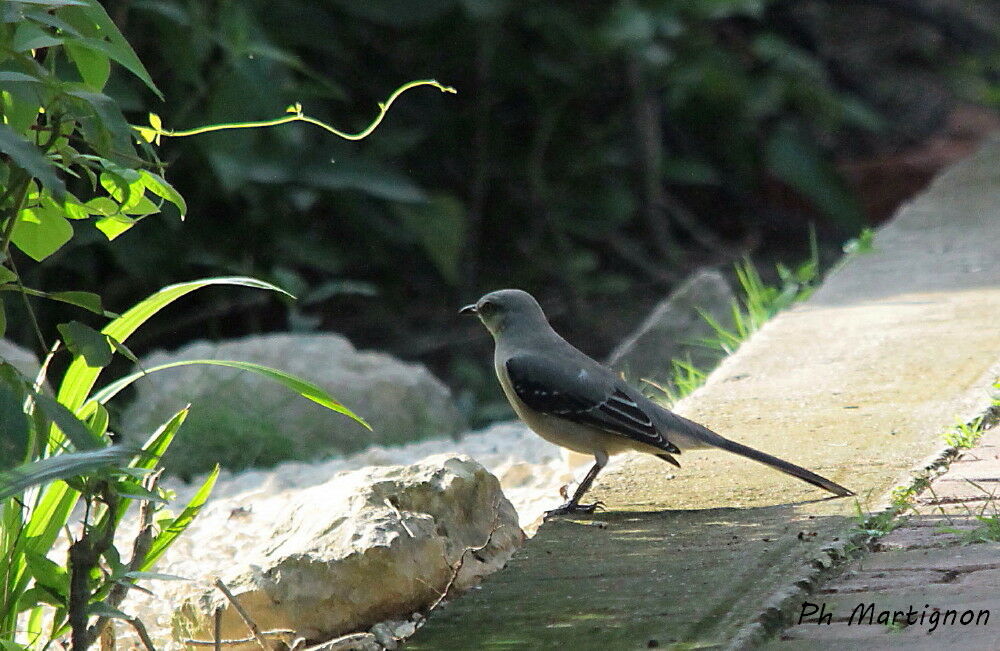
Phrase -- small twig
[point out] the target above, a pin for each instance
(140, 630)
(399, 515)
(217, 628)
(218, 642)
(258, 636)
(457, 567)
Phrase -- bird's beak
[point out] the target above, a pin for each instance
(468, 309)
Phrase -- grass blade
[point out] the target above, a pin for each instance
(180, 523)
(302, 387)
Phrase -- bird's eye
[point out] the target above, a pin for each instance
(488, 308)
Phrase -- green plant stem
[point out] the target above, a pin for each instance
(20, 195)
(23, 291)
(299, 116)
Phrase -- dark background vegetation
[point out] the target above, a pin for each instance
(595, 154)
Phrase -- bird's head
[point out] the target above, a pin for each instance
(498, 310)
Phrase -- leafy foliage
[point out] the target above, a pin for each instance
(70, 157)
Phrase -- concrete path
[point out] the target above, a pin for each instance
(919, 569)
(858, 384)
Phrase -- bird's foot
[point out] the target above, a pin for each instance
(570, 507)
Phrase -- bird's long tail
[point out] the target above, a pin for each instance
(710, 438)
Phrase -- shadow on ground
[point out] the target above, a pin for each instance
(644, 579)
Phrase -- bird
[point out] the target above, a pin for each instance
(575, 402)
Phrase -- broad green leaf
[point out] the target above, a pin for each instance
(10, 77)
(177, 526)
(48, 574)
(125, 191)
(62, 466)
(116, 134)
(6, 275)
(82, 340)
(13, 427)
(34, 596)
(159, 186)
(75, 429)
(70, 207)
(302, 387)
(40, 232)
(93, 21)
(141, 207)
(86, 300)
(93, 65)
(102, 206)
(30, 158)
(29, 36)
(80, 378)
(114, 225)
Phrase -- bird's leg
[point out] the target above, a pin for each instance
(573, 505)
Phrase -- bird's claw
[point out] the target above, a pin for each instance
(569, 508)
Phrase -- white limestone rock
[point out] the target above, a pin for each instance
(244, 420)
(674, 328)
(369, 545)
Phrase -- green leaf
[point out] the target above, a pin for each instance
(93, 21)
(48, 574)
(159, 186)
(99, 420)
(10, 77)
(302, 387)
(136, 491)
(157, 445)
(102, 206)
(123, 189)
(86, 300)
(61, 466)
(154, 576)
(82, 340)
(115, 133)
(6, 275)
(14, 434)
(114, 225)
(80, 378)
(123, 350)
(142, 207)
(177, 526)
(40, 232)
(74, 429)
(29, 36)
(30, 158)
(93, 65)
(101, 609)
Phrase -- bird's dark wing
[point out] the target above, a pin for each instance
(585, 396)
